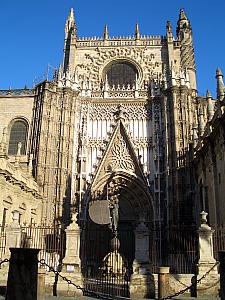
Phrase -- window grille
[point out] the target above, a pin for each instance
(121, 73)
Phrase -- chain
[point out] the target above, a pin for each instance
(4, 261)
(57, 273)
(193, 283)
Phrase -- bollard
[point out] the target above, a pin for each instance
(222, 274)
(163, 282)
(22, 276)
(41, 284)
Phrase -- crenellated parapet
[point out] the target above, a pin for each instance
(144, 40)
(17, 92)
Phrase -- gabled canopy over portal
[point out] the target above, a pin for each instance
(120, 173)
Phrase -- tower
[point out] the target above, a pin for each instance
(181, 105)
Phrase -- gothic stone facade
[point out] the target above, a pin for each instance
(209, 158)
(120, 117)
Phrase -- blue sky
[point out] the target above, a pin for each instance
(32, 32)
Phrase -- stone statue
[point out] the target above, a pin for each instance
(114, 212)
(19, 147)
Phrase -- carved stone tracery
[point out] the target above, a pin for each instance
(107, 111)
(120, 157)
(93, 66)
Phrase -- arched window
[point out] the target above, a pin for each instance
(122, 73)
(18, 133)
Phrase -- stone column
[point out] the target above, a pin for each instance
(71, 262)
(22, 277)
(13, 233)
(163, 282)
(209, 285)
(142, 282)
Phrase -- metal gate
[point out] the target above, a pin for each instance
(107, 260)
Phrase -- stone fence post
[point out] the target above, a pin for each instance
(71, 262)
(207, 286)
(142, 282)
(13, 233)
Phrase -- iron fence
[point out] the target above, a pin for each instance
(218, 240)
(50, 240)
(107, 260)
(2, 241)
(175, 247)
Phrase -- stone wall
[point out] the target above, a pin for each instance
(20, 192)
(15, 105)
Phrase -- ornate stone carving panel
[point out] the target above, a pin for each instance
(120, 157)
(148, 62)
(107, 111)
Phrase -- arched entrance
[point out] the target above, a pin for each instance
(109, 250)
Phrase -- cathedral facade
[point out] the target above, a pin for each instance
(120, 117)
(119, 148)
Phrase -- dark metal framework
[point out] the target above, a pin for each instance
(107, 260)
(174, 246)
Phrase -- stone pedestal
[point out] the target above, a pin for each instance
(163, 282)
(71, 262)
(210, 284)
(13, 233)
(142, 282)
(22, 277)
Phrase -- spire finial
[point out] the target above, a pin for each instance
(218, 72)
(182, 15)
(220, 85)
(137, 32)
(106, 34)
(169, 32)
(201, 122)
(208, 94)
(183, 22)
(70, 24)
(168, 26)
(210, 106)
(71, 15)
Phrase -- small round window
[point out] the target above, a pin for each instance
(121, 73)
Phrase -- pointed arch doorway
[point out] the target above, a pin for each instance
(109, 253)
